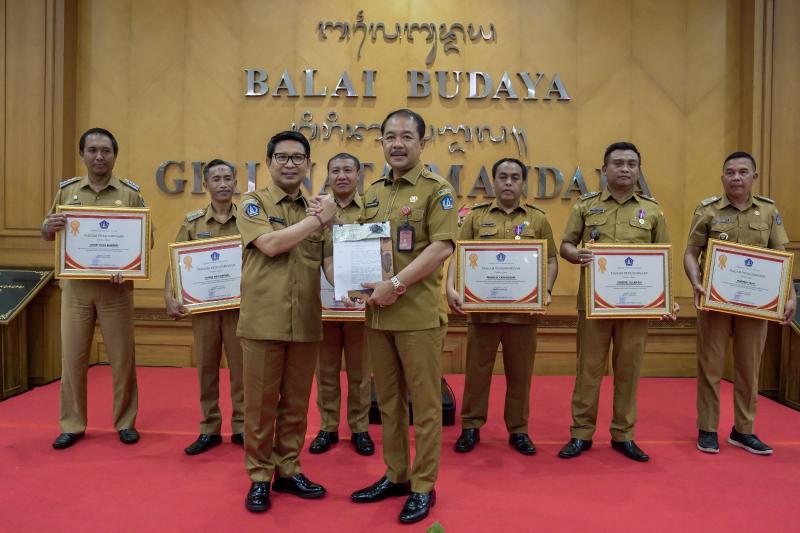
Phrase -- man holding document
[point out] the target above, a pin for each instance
(618, 214)
(214, 329)
(405, 318)
(280, 323)
(738, 216)
(509, 217)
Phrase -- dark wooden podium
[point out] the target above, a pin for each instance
(18, 288)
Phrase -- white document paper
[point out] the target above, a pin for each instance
(355, 262)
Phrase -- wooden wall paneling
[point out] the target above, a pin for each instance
(790, 367)
(44, 336)
(13, 366)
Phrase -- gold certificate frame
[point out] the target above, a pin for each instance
(334, 311)
(100, 241)
(206, 274)
(502, 275)
(746, 280)
(629, 281)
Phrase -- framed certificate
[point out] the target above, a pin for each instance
(502, 275)
(100, 241)
(334, 310)
(206, 274)
(746, 280)
(629, 281)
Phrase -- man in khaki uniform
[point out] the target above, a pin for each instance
(737, 216)
(85, 301)
(280, 322)
(343, 335)
(618, 214)
(509, 216)
(405, 319)
(213, 330)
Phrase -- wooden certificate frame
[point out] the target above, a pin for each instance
(86, 246)
(221, 258)
(496, 285)
(746, 280)
(619, 284)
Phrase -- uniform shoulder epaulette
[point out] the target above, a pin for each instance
(67, 182)
(765, 199)
(130, 184)
(589, 195)
(481, 204)
(648, 198)
(542, 211)
(194, 215)
(709, 201)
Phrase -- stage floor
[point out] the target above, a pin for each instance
(102, 485)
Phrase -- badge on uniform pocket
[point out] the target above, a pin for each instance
(405, 238)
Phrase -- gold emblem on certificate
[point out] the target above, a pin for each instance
(502, 275)
(629, 281)
(100, 241)
(206, 273)
(746, 280)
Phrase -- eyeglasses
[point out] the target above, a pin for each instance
(297, 159)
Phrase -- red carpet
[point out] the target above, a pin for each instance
(103, 485)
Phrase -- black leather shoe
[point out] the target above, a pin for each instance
(707, 441)
(574, 448)
(257, 500)
(630, 450)
(203, 443)
(467, 440)
(323, 442)
(65, 440)
(749, 442)
(299, 485)
(238, 438)
(522, 443)
(363, 443)
(417, 506)
(129, 436)
(380, 490)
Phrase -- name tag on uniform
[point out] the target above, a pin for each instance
(721, 220)
(595, 210)
(372, 203)
(278, 220)
(487, 224)
(204, 234)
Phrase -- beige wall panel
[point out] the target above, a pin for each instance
(785, 134)
(25, 36)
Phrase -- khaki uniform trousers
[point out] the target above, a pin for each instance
(277, 384)
(519, 349)
(350, 337)
(749, 336)
(403, 363)
(212, 331)
(594, 338)
(82, 303)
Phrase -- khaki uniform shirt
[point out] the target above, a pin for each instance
(201, 224)
(597, 215)
(433, 217)
(78, 191)
(348, 214)
(758, 224)
(489, 221)
(281, 294)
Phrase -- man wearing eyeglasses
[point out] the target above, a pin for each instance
(280, 322)
(405, 318)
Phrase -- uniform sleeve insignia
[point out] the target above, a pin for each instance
(194, 215)
(778, 220)
(252, 209)
(589, 195)
(447, 202)
(765, 199)
(130, 184)
(67, 182)
(709, 201)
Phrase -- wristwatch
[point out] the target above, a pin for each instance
(399, 287)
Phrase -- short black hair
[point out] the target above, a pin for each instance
(621, 145)
(215, 163)
(287, 136)
(740, 155)
(416, 117)
(510, 160)
(344, 155)
(97, 131)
